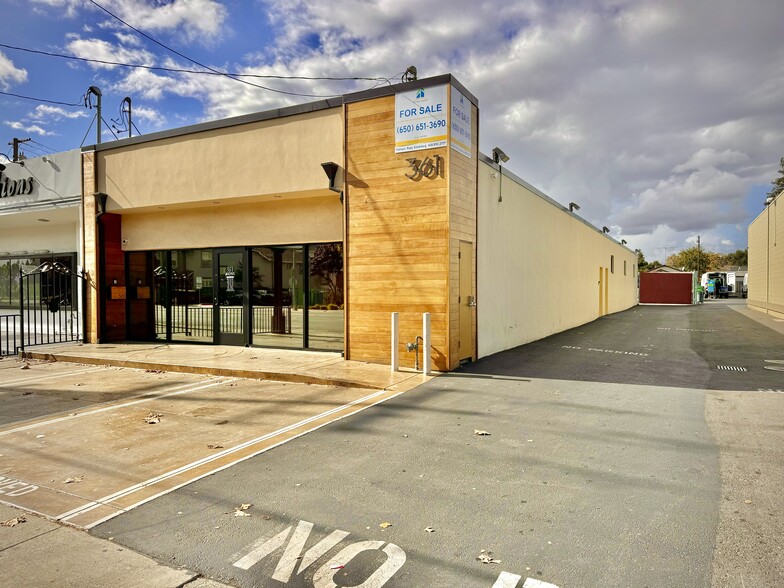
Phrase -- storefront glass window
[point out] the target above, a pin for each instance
(277, 296)
(325, 322)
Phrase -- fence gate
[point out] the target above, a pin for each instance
(50, 309)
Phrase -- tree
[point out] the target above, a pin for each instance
(694, 259)
(778, 183)
(645, 266)
(740, 257)
(327, 263)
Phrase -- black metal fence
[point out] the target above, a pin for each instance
(49, 309)
(197, 321)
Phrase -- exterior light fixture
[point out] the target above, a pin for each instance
(498, 157)
(331, 169)
(573, 206)
(605, 230)
(623, 241)
(100, 200)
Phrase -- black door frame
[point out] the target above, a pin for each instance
(220, 338)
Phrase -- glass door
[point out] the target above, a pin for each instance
(231, 301)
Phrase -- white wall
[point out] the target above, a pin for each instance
(538, 265)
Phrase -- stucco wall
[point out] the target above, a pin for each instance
(766, 260)
(60, 237)
(280, 222)
(271, 157)
(538, 266)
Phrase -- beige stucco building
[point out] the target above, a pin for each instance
(766, 260)
(308, 226)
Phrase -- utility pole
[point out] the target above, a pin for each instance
(16, 142)
(698, 257)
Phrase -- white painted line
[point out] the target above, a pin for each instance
(42, 378)
(214, 456)
(531, 583)
(236, 461)
(507, 580)
(175, 390)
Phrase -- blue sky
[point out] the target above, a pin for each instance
(663, 119)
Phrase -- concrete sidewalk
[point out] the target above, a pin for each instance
(286, 365)
(37, 552)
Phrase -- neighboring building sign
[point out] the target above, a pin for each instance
(420, 119)
(461, 123)
(11, 187)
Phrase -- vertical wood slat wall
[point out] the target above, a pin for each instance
(462, 227)
(397, 240)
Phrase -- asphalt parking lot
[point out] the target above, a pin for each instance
(620, 453)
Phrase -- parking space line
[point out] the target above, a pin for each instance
(50, 376)
(174, 391)
(507, 580)
(377, 398)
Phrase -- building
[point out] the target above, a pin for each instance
(40, 218)
(308, 226)
(766, 260)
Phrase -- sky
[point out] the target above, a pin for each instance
(663, 119)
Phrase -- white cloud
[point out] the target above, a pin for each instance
(149, 115)
(197, 20)
(9, 73)
(105, 51)
(709, 157)
(55, 113)
(16, 125)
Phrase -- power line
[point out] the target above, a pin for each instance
(193, 71)
(41, 99)
(42, 145)
(146, 36)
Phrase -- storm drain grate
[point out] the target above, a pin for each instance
(732, 368)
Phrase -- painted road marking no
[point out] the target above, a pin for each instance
(324, 577)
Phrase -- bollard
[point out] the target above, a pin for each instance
(425, 343)
(395, 364)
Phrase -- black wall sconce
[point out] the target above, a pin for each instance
(100, 201)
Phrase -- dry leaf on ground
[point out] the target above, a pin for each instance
(153, 418)
(14, 522)
(486, 557)
(430, 529)
(385, 524)
(76, 479)
(214, 446)
(240, 510)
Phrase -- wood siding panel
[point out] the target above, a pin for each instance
(396, 240)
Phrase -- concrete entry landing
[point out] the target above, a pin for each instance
(284, 365)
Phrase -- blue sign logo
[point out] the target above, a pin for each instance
(420, 93)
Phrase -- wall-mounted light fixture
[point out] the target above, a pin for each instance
(331, 169)
(623, 241)
(498, 157)
(573, 206)
(605, 230)
(100, 202)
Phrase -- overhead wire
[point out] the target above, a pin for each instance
(207, 67)
(193, 71)
(108, 126)
(41, 99)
